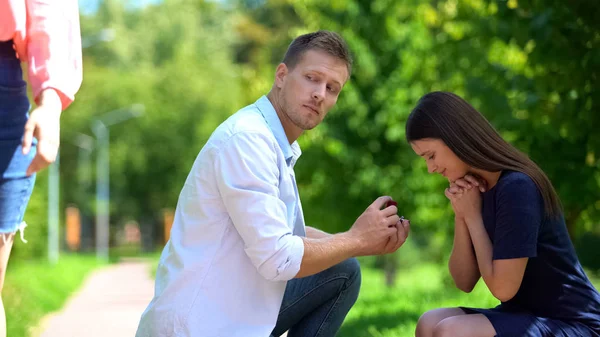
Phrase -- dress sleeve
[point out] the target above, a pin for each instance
(54, 48)
(519, 214)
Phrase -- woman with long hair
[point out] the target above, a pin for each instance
(509, 230)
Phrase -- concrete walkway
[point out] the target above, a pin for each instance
(109, 303)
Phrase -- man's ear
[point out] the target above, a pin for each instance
(280, 74)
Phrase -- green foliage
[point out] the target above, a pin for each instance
(34, 289)
(174, 58)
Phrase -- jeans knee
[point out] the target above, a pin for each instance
(351, 268)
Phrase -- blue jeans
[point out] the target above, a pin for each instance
(316, 305)
(15, 186)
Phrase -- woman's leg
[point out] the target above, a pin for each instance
(6, 242)
(429, 320)
(474, 325)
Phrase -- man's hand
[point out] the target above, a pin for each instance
(377, 230)
(43, 124)
(396, 241)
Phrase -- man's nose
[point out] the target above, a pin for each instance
(319, 93)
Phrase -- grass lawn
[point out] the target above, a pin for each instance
(33, 289)
(385, 312)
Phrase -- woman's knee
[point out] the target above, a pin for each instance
(426, 323)
(448, 327)
(429, 320)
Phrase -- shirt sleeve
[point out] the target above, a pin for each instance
(54, 48)
(519, 214)
(248, 179)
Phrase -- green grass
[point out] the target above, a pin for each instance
(393, 312)
(33, 289)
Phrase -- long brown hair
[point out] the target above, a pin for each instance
(446, 116)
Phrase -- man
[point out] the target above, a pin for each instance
(239, 236)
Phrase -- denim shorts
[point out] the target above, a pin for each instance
(15, 186)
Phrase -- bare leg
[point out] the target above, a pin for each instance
(6, 243)
(429, 320)
(474, 325)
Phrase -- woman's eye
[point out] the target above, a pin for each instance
(432, 156)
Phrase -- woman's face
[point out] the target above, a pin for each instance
(440, 159)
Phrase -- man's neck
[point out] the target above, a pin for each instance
(292, 132)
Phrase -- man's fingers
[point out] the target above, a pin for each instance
(380, 202)
(390, 210)
(392, 242)
(406, 226)
(402, 234)
(392, 220)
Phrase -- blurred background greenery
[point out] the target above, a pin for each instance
(531, 67)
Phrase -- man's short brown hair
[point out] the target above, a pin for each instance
(329, 42)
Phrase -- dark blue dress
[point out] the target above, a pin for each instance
(556, 298)
(15, 185)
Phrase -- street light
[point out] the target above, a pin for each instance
(100, 130)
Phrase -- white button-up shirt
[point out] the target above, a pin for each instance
(235, 239)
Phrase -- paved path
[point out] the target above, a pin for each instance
(109, 303)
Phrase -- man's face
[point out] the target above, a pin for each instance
(311, 88)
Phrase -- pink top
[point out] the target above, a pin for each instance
(46, 36)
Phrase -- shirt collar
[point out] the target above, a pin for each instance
(291, 152)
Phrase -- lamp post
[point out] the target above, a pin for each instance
(100, 129)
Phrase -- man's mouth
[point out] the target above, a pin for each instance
(312, 108)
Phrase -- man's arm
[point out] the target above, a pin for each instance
(323, 253)
(247, 179)
(377, 231)
(313, 233)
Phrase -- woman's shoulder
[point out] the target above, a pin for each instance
(515, 181)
